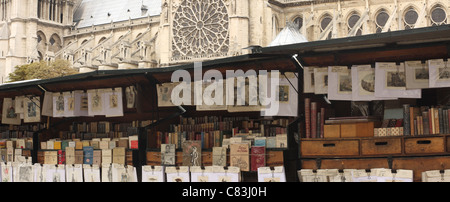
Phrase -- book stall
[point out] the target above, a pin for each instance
(375, 107)
(121, 126)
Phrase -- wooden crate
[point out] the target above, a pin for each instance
(381, 146)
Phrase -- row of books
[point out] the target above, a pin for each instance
(21, 143)
(208, 139)
(314, 119)
(88, 155)
(11, 134)
(426, 120)
(96, 143)
(25, 127)
(106, 126)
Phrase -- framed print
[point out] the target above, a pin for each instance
(113, 102)
(9, 115)
(391, 81)
(96, 102)
(340, 83)
(321, 80)
(363, 83)
(308, 80)
(417, 75)
(32, 111)
(439, 73)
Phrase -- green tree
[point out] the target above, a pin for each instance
(42, 70)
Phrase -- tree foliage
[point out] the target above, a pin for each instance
(42, 70)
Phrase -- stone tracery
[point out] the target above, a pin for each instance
(200, 29)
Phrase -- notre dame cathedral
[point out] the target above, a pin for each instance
(121, 34)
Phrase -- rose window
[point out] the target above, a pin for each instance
(200, 29)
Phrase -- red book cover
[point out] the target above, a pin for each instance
(258, 157)
(322, 121)
(313, 120)
(134, 144)
(61, 157)
(308, 117)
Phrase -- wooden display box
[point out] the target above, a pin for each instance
(330, 147)
(332, 131)
(381, 146)
(358, 129)
(424, 145)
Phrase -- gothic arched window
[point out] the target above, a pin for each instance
(200, 29)
(298, 21)
(410, 18)
(380, 20)
(351, 22)
(438, 16)
(324, 22)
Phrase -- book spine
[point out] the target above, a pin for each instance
(426, 126)
(322, 121)
(308, 117)
(448, 117)
(406, 120)
(445, 118)
(318, 132)
(411, 120)
(313, 119)
(441, 121)
(436, 121)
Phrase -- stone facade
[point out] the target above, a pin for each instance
(159, 33)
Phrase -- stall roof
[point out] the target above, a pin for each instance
(397, 46)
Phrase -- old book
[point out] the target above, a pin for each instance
(79, 157)
(192, 151)
(271, 142)
(258, 157)
(97, 157)
(406, 120)
(88, 155)
(133, 142)
(167, 154)
(425, 120)
(239, 156)
(413, 113)
(50, 144)
(219, 157)
(436, 121)
(57, 145)
(308, 117)
(281, 141)
(95, 144)
(78, 145)
(104, 144)
(70, 155)
(313, 120)
(322, 121)
(61, 157)
(106, 156)
(119, 155)
(441, 120)
(51, 157)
